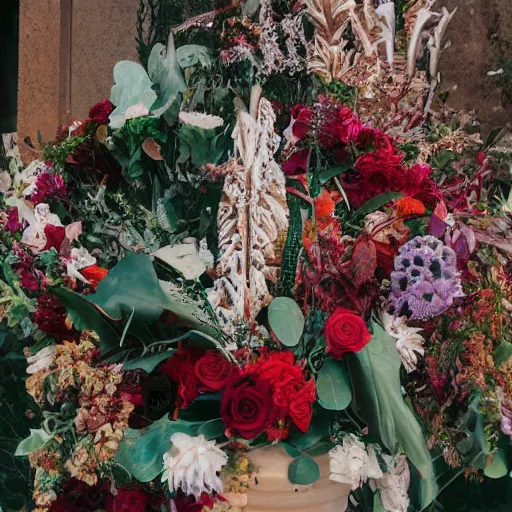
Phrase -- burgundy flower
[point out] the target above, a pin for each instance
(50, 317)
(49, 186)
(100, 112)
(77, 496)
(54, 236)
(13, 224)
(298, 163)
(300, 123)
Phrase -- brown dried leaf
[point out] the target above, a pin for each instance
(152, 149)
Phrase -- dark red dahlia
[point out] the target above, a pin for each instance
(100, 112)
(50, 317)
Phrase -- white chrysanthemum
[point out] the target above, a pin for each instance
(349, 462)
(205, 121)
(192, 465)
(394, 485)
(409, 343)
(41, 360)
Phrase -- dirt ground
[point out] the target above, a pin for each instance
(480, 35)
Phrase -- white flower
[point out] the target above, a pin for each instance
(33, 235)
(138, 110)
(80, 258)
(349, 462)
(394, 485)
(409, 343)
(205, 121)
(5, 182)
(41, 360)
(192, 465)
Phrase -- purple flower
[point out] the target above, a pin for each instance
(425, 280)
(49, 186)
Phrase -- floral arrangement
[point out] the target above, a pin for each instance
(283, 237)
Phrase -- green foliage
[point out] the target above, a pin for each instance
(375, 203)
(37, 439)
(141, 451)
(212, 429)
(303, 471)
(286, 320)
(375, 376)
(333, 386)
(502, 353)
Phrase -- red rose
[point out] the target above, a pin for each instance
(345, 331)
(247, 406)
(100, 112)
(301, 404)
(213, 370)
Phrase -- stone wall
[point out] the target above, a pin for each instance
(67, 50)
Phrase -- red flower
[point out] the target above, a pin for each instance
(419, 185)
(348, 125)
(77, 496)
(298, 163)
(324, 205)
(409, 206)
(50, 317)
(94, 274)
(345, 331)
(49, 186)
(13, 224)
(247, 406)
(54, 236)
(130, 501)
(300, 122)
(100, 112)
(213, 370)
(181, 369)
(189, 504)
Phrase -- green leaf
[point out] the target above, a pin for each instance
(303, 471)
(333, 386)
(291, 450)
(498, 467)
(37, 439)
(286, 320)
(327, 174)
(164, 70)
(375, 376)
(377, 503)
(85, 315)
(318, 430)
(141, 451)
(148, 364)
(212, 429)
(502, 353)
(376, 202)
(321, 448)
(189, 55)
(132, 86)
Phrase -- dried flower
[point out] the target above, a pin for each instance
(192, 465)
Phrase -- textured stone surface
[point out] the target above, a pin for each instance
(103, 32)
(38, 76)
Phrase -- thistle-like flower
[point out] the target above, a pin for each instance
(192, 465)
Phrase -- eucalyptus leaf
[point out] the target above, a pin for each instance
(498, 468)
(303, 471)
(286, 320)
(291, 450)
(376, 202)
(141, 451)
(502, 353)
(333, 386)
(37, 439)
(318, 430)
(375, 376)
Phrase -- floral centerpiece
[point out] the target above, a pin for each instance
(273, 233)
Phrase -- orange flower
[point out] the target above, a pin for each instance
(409, 206)
(94, 274)
(324, 205)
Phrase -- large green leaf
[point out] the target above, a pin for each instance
(333, 386)
(164, 70)
(148, 363)
(286, 320)
(212, 429)
(498, 468)
(85, 315)
(37, 439)
(303, 471)
(327, 174)
(141, 451)
(132, 86)
(317, 432)
(375, 376)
